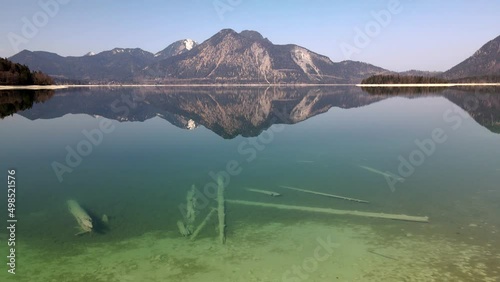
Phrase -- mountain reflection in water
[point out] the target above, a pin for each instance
(228, 112)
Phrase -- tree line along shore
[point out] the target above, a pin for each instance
(17, 74)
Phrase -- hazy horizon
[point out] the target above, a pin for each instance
(401, 35)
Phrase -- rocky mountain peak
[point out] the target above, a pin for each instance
(248, 57)
(176, 48)
(252, 34)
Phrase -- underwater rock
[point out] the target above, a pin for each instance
(105, 219)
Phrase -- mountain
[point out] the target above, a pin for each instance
(175, 49)
(119, 64)
(227, 57)
(485, 62)
(231, 57)
(248, 57)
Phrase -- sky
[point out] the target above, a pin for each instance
(396, 35)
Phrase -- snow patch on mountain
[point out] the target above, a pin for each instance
(176, 48)
(191, 125)
(117, 50)
(189, 43)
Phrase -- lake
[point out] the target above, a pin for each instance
(130, 157)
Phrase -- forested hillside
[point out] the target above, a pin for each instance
(17, 74)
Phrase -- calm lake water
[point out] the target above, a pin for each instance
(133, 154)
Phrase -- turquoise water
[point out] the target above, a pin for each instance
(140, 168)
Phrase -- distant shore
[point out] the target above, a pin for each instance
(428, 85)
(56, 87)
(32, 87)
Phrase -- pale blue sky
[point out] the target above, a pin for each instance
(425, 34)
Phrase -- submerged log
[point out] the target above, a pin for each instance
(82, 218)
(182, 229)
(270, 193)
(333, 211)
(221, 210)
(191, 208)
(387, 175)
(202, 224)
(325, 194)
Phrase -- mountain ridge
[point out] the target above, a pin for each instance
(229, 57)
(484, 62)
(232, 112)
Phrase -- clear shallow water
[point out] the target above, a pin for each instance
(320, 139)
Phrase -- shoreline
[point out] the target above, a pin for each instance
(428, 85)
(56, 87)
